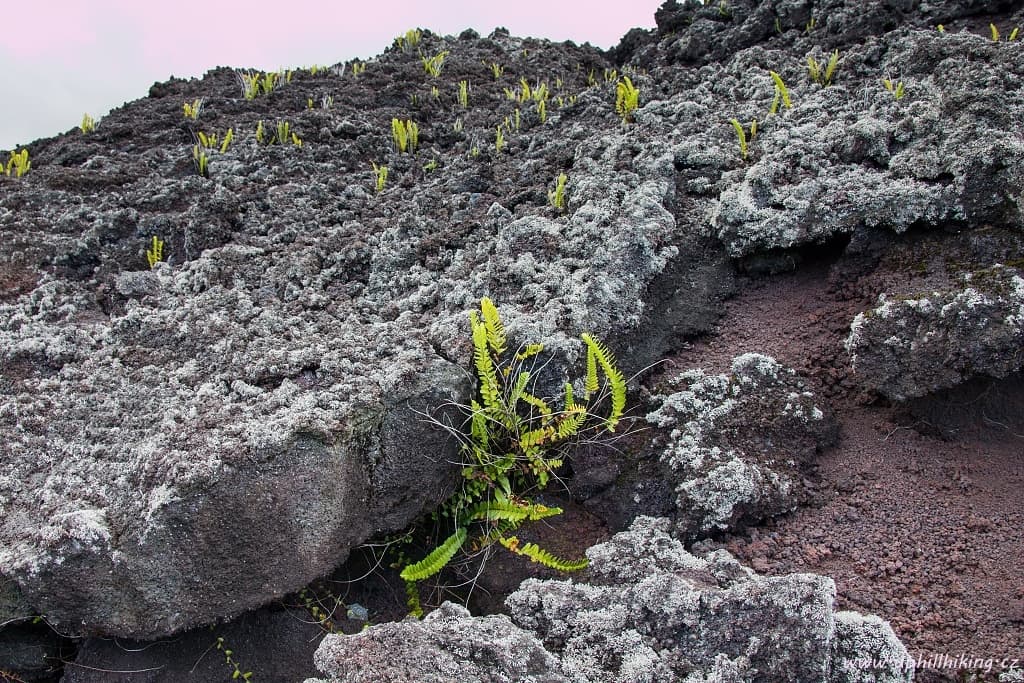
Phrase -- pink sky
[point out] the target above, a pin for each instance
(62, 58)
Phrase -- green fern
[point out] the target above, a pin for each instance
(509, 511)
(596, 351)
(541, 556)
(438, 558)
(515, 444)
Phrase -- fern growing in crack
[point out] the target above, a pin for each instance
(512, 443)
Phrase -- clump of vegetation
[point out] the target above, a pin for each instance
(409, 39)
(995, 34)
(192, 109)
(358, 68)
(155, 253)
(823, 75)
(627, 99)
(464, 94)
(497, 70)
(87, 125)
(514, 443)
(18, 163)
(894, 87)
(405, 135)
(556, 197)
(283, 135)
(433, 65)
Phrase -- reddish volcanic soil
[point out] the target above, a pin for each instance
(926, 531)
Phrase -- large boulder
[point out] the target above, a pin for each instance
(909, 347)
(726, 450)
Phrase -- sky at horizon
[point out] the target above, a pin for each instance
(60, 59)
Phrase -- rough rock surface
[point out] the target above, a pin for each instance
(738, 443)
(448, 645)
(907, 348)
(722, 450)
(195, 440)
(650, 612)
(184, 443)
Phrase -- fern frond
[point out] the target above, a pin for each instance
(616, 381)
(478, 426)
(484, 365)
(530, 350)
(438, 558)
(570, 423)
(538, 403)
(590, 384)
(518, 388)
(509, 511)
(541, 556)
(536, 437)
(495, 328)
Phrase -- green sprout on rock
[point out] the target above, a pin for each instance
(627, 99)
(155, 253)
(556, 197)
(822, 75)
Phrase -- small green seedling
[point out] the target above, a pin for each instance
(940, 28)
(201, 161)
(433, 65)
(781, 94)
(497, 70)
(464, 94)
(741, 134)
(542, 111)
(155, 253)
(499, 140)
(381, 177)
(358, 68)
(895, 87)
(88, 124)
(823, 75)
(811, 23)
(430, 166)
(228, 137)
(405, 135)
(260, 135)
(627, 99)
(995, 33)
(556, 197)
(19, 163)
(237, 673)
(192, 109)
(409, 40)
(207, 141)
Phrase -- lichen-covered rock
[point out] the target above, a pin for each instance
(652, 612)
(190, 441)
(909, 347)
(852, 155)
(737, 443)
(448, 645)
(649, 612)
